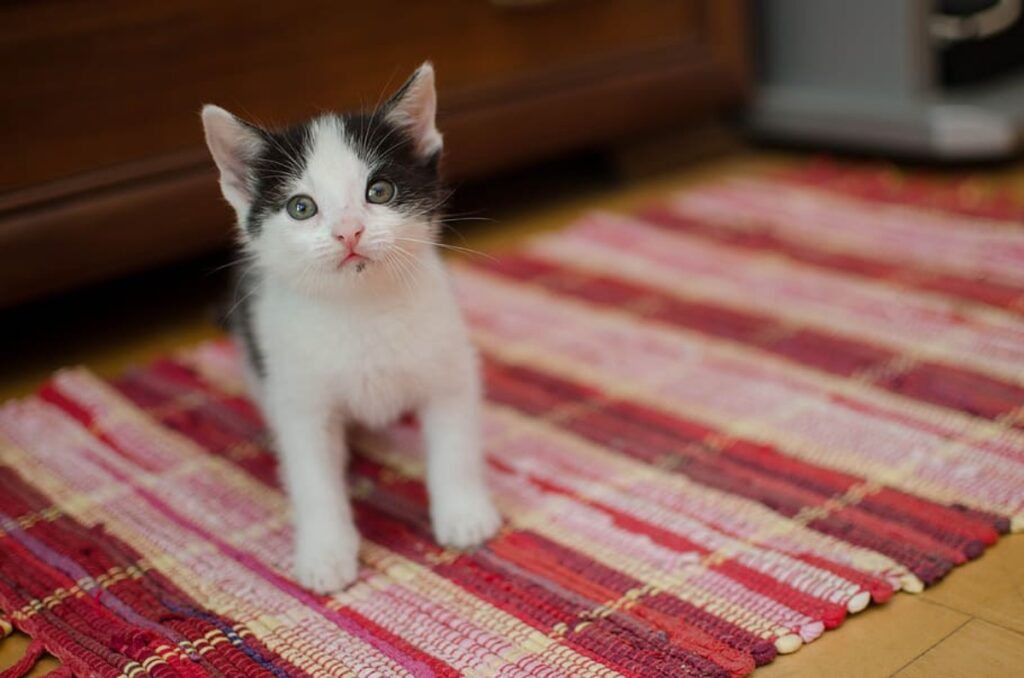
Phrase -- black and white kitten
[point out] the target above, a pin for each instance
(349, 316)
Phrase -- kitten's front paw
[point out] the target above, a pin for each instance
(464, 519)
(327, 564)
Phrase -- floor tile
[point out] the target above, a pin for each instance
(990, 588)
(977, 649)
(876, 642)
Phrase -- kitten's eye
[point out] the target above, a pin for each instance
(301, 207)
(380, 192)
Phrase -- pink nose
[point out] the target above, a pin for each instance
(350, 238)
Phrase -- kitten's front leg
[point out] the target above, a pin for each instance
(461, 509)
(313, 453)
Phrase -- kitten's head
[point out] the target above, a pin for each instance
(338, 200)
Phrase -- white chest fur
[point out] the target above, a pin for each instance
(372, 359)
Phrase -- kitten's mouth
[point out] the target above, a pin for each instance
(353, 259)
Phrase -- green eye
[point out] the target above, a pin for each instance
(301, 207)
(380, 191)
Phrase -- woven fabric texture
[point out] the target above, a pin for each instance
(715, 427)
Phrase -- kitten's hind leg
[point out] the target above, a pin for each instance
(461, 509)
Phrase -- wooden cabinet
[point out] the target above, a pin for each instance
(104, 168)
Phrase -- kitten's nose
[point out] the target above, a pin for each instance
(350, 237)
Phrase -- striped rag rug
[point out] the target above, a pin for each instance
(715, 427)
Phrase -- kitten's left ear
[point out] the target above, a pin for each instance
(413, 108)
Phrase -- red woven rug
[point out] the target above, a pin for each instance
(715, 428)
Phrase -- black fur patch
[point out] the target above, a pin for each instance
(240, 321)
(390, 153)
(282, 160)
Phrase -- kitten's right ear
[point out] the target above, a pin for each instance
(234, 144)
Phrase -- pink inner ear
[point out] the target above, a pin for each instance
(232, 145)
(416, 112)
(234, 175)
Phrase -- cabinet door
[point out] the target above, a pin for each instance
(104, 166)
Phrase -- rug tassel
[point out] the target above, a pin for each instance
(6, 627)
(24, 665)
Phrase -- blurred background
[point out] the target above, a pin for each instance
(109, 209)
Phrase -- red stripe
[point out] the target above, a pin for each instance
(958, 389)
(217, 426)
(566, 568)
(673, 608)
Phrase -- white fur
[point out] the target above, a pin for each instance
(343, 346)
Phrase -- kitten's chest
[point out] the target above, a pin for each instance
(373, 365)
(378, 370)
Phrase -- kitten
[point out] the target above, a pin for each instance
(349, 316)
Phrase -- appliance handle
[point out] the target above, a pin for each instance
(999, 17)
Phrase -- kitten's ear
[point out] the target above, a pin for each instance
(234, 144)
(413, 108)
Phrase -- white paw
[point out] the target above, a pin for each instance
(327, 564)
(464, 519)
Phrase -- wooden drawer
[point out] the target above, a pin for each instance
(104, 97)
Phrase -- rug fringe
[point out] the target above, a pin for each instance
(21, 668)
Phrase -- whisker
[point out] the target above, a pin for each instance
(454, 248)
